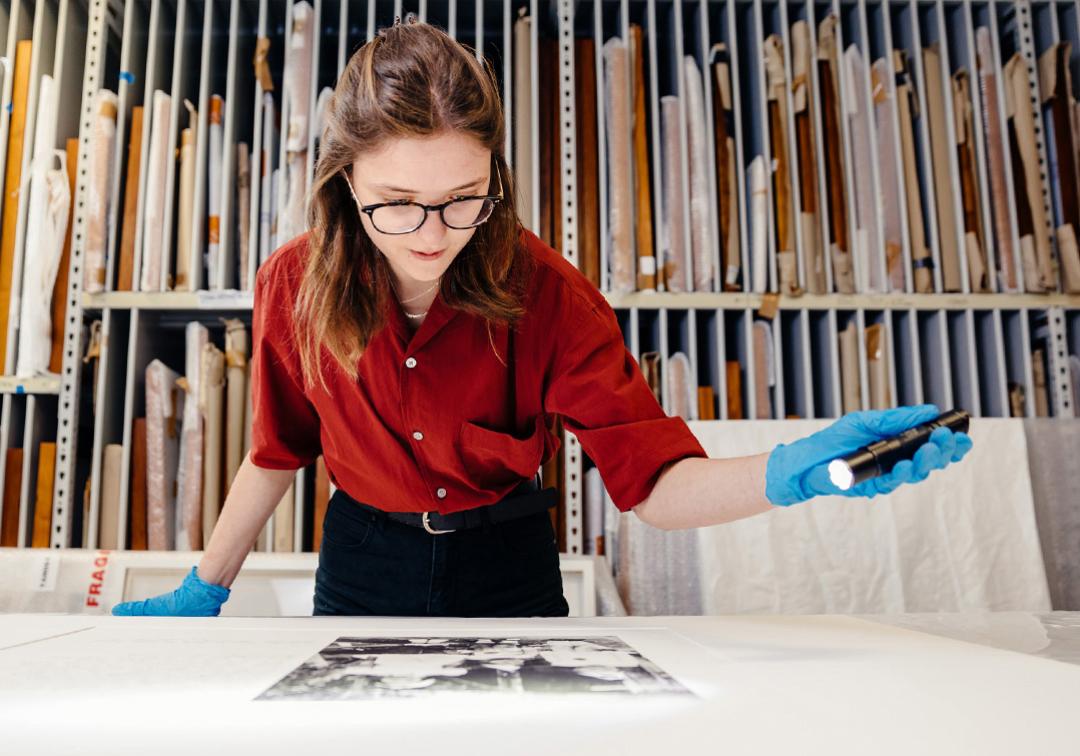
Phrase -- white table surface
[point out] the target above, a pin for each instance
(791, 685)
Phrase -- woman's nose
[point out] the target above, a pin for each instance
(432, 229)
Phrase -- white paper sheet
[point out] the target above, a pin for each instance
(522, 121)
(701, 230)
(806, 685)
(759, 230)
(677, 265)
(154, 210)
(594, 510)
(866, 245)
(265, 172)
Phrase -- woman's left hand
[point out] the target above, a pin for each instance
(799, 471)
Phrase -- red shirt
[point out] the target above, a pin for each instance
(436, 422)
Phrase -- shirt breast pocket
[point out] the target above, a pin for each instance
(496, 458)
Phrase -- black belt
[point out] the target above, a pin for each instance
(528, 498)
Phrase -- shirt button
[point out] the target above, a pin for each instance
(441, 493)
(418, 435)
(411, 362)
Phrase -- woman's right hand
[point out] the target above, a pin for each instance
(194, 598)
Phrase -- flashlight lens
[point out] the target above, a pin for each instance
(840, 474)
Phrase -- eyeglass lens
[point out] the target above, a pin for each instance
(458, 214)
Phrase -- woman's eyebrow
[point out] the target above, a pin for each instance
(388, 188)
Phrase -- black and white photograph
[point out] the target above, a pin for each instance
(364, 668)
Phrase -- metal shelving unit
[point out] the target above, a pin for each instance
(962, 346)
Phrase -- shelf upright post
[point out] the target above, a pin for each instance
(71, 370)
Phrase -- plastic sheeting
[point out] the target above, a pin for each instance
(46, 227)
(1053, 450)
(963, 540)
(1052, 636)
(659, 571)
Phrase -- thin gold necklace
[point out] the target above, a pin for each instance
(411, 299)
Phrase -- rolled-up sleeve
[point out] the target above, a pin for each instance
(595, 384)
(284, 424)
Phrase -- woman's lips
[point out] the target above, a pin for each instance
(427, 256)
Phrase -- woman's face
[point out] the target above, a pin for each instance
(429, 170)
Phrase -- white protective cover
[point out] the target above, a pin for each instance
(964, 539)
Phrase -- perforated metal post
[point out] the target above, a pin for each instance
(1057, 350)
(67, 428)
(1027, 50)
(568, 166)
(1058, 364)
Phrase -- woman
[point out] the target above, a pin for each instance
(422, 341)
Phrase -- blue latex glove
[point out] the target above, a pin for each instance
(194, 598)
(799, 471)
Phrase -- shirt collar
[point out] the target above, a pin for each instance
(439, 314)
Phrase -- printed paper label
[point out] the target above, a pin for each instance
(226, 299)
(46, 567)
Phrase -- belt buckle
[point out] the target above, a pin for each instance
(428, 528)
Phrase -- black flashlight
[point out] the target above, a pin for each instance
(881, 456)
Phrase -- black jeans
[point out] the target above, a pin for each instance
(370, 565)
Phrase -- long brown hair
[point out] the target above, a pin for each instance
(410, 80)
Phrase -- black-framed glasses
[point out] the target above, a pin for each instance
(405, 216)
